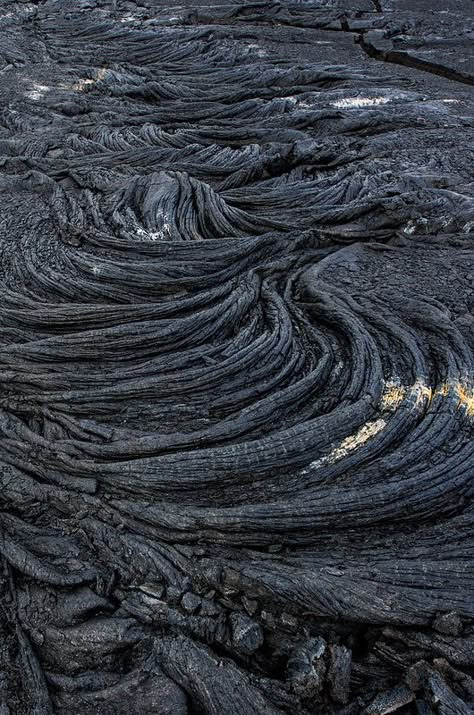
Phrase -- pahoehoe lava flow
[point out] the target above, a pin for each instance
(236, 357)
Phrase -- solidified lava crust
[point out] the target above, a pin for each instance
(236, 358)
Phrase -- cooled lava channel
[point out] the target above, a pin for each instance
(236, 358)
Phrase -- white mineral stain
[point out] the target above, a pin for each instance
(354, 441)
(37, 92)
(350, 102)
(466, 398)
(395, 393)
(392, 397)
(258, 50)
(81, 85)
(161, 235)
(349, 444)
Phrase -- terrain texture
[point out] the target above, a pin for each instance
(236, 357)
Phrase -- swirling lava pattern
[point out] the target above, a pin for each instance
(236, 365)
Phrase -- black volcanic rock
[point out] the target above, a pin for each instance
(236, 357)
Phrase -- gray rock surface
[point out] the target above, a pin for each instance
(236, 357)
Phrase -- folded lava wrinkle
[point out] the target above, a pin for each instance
(236, 358)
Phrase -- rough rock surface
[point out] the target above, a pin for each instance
(236, 357)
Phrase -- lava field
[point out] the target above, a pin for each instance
(236, 357)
